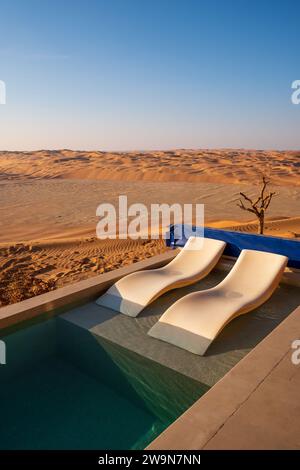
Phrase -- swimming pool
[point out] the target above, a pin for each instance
(90, 378)
(63, 388)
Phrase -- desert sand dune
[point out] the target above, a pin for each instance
(33, 210)
(223, 166)
(49, 200)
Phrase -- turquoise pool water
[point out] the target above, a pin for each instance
(62, 388)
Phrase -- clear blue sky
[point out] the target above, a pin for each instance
(141, 74)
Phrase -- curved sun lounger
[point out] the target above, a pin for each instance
(131, 294)
(195, 320)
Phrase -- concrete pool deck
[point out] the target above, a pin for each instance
(254, 384)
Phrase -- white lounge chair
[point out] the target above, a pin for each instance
(131, 294)
(195, 320)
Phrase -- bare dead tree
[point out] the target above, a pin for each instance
(258, 206)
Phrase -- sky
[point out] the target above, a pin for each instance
(149, 74)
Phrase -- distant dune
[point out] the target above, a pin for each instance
(49, 201)
(219, 166)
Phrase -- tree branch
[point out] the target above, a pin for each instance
(265, 183)
(241, 206)
(260, 205)
(268, 200)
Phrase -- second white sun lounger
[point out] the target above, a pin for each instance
(131, 294)
(194, 321)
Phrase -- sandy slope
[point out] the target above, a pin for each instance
(47, 218)
(288, 227)
(31, 269)
(223, 166)
(39, 209)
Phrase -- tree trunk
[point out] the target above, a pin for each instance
(261, 224)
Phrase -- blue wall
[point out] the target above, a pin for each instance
(237, 241)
